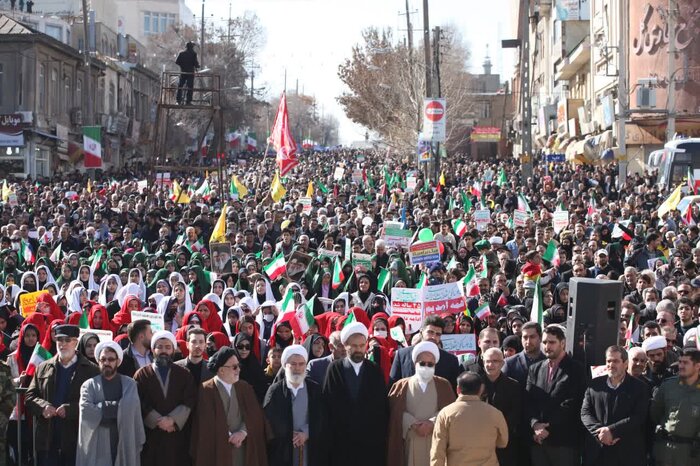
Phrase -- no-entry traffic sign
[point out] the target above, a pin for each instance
(434, 120)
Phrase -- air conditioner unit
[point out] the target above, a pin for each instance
(646, 97)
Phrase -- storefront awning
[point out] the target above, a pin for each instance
(45, 134)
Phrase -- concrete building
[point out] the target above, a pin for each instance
(142, 19)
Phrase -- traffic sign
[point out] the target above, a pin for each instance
(434, 118)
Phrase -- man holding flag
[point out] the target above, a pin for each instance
(53, 397)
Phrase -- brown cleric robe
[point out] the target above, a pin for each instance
(210, 427)
(398, 406)
(174, 398)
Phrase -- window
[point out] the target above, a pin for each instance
(157, 23)
(42, 87)
(68, 102)
(112, 93)
(79, 93)
(20, 84)
(146, 23)
(55, 31)
(54, 90)
(2, 82)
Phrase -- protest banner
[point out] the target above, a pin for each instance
(398, 336)
(297, 264)
(482, 217)
(12, 200)
(27, 302)
(338, 173)
(157, 321)
(306, 205)
(357, 176)
(397, 237)
(520, 218)
(327, 253)
(348, 249)
(411, 182)
(560, 220)
(406, 303)
(221, 254)
(461, 343)
(364, 261)
(424, 252)
(102, 335)
(391, 224)
(438, 299)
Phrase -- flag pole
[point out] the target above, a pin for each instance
(259, 178)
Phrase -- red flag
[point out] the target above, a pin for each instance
(282, 140)
(502, 301)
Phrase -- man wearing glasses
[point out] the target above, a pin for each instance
(53, 397)
(111, 427)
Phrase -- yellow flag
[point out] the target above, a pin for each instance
(178, 195)
(218, 235)
(89, 186)
(672, 202)
(277, 191)
(442, 178)
(310, 190)
(5, 191)
(240, 187)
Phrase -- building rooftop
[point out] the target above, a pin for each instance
(10, 26)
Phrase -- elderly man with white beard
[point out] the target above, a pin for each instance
(111, 428)
(53, 397)
(295, 411)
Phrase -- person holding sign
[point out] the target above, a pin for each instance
(413, 403)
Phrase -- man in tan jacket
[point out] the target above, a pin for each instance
(468, 431)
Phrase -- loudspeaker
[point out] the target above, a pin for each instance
(593, 319)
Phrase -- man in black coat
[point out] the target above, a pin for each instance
(187, 61)
(505, 394)
(356, 402)
(447, 367)
(614, 413)
(295, 411)
(553, 399)
(518, 365)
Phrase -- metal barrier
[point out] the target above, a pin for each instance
(205, 91)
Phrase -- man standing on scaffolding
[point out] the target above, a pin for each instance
(187, 61)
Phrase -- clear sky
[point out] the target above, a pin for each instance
(310, 38)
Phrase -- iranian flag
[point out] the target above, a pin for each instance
(483, 311)
(288, 304)
(56, 254)
(466, 202)
(195, 247)
(523, 205)
(305, 316)
(459, 226)
(383, 279)
(476, 190)
(452, 264)
(422, 280)
(551, 254)
(277, 267)
(92, 146)
(233, 138)
(27, 253)
(502, 300)
(619, 232)
(338, 275)
(204, 191)
(484, 267)
(252, 142)
(536, 313)
(693, 184)
(96, 261)
(39, 355)
(471, 282)
(83, 323)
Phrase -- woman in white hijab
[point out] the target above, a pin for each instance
(45, 277)
(181, 292)
(3, 301)
(135, 276)
(155, 299)
(76, 299)
(128, 289)
(87, 278)
(174, 278)
(109, 287)
(214, 298)
(260, 294)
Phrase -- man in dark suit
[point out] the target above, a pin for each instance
(553, 399)
(317, 368)
(447, 367)
(614, 413)
(194, 362)
(517, 366)
(138, 353)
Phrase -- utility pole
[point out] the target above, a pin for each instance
(622, 97)
(428, 68)
(411, 64)
(436, 50)
(87, 97)
(201, 45)
(526, 101)
(671, 23)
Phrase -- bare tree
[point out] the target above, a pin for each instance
(386, 87)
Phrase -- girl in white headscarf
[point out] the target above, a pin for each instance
(87, 278)
(44, 277)
(76, 299)
(129, 289)
(109, 287)
(24, 284)
(184, 301)
(214, 298)
(175, 277)
(135, 276)
(260, 294)
(3, 301)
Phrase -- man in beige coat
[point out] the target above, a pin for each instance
(457, 439)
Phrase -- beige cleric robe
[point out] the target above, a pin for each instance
(408, 404)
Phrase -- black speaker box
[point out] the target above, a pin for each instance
(593, 319)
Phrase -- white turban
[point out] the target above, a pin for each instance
(353, 329)
(291, 350)
(111, 345)
(654, 343)
(159, 335)
(425, 347)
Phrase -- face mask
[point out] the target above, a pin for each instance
(269, 317)
(294, 379)
(425, 373)
(380, 333)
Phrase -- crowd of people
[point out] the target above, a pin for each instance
(233, 360)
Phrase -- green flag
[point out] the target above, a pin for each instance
(383, 279)
(322, 187)
(84, 320)
(466, 202)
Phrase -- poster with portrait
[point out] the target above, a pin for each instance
(221, 258)
(297, 264)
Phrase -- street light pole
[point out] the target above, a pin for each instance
(428, 68)
(671, 23)
(201, 41)
(87, 97)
